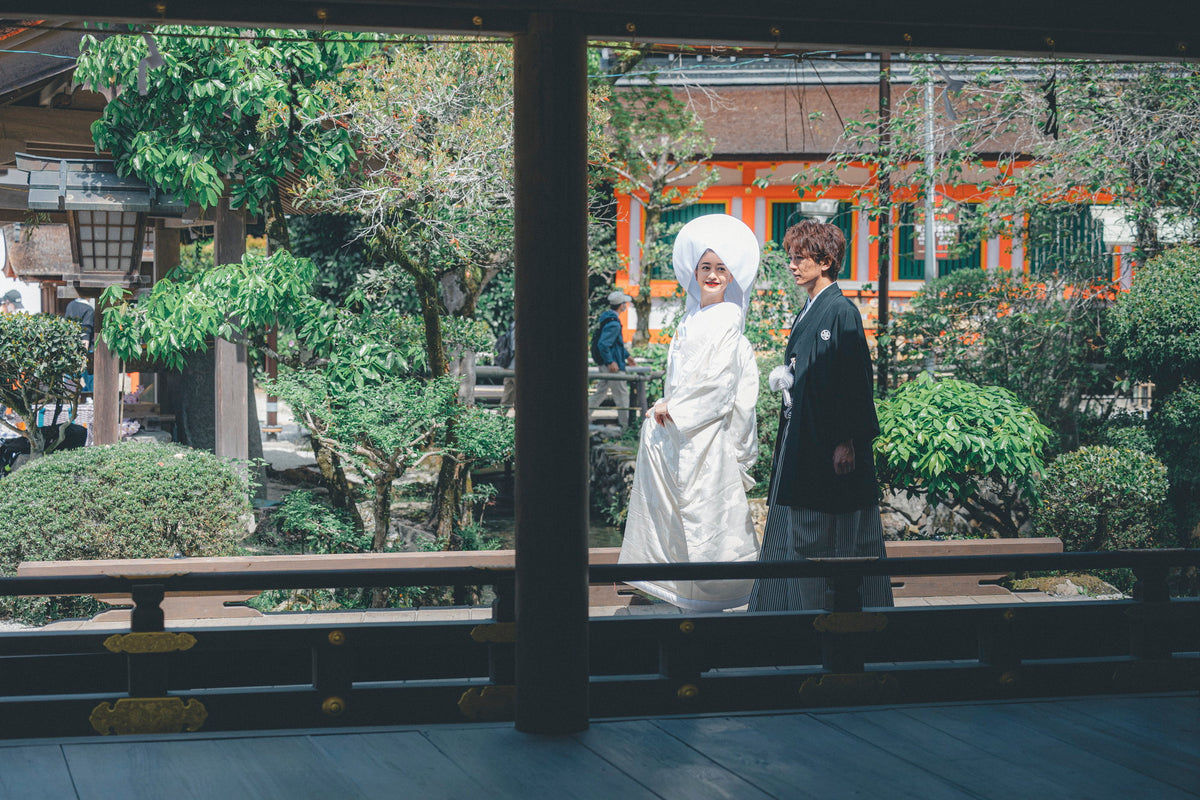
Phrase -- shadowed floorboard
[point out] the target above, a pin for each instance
(796, 755)
(1066, 762)
(670, 768)
(513, 764)
(961, 762)
(276, 768)
(34, 772)
(1094, 747)
(398, 764)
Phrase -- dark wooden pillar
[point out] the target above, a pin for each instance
(106, 387)
(551, 392)
(166, 249)
(232, 400)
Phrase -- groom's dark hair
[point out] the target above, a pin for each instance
(823, 242)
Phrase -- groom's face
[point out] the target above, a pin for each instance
(805, 271)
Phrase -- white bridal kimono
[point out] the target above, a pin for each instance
(688, 502)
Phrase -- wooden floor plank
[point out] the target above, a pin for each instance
(662, 763)
(276, 768)
(398, 764)
(1166, 720)
(518, 765)
(34, 772)
(958, 761)
(1062, 762)
(796, 756)
(1177, 763)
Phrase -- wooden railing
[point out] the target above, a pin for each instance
(636, 377)
(237, 677)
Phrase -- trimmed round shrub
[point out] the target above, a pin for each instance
(1154, 329)
(1105, 498)
(1175, 426)
(1122, 429)
(117, 501)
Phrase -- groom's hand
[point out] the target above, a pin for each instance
(843, 458)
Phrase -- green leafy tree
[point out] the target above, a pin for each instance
(1063, 133)
(42, 360)
(357, 375)
(432, 185)
(1041, 340)
(1130, 132)
(184, 312)
(432, 181)
(331, 243)
(978, 448)
(1155, 336)
(659, 150)
(1154, 329)
(221, 115)
(386, 427)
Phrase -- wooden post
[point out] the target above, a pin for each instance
(106, 387)
(551, 492)
(232, 401)
(272, 374)
(166, 258)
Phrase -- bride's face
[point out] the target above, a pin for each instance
(713, 277)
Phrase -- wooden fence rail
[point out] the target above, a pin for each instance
(363, 672)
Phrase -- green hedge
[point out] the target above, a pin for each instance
(1105, 498)
(117, 501)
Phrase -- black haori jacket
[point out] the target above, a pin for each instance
(832, 401)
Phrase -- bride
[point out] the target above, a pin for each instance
(698, 443)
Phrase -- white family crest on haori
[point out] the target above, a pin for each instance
(688, 502)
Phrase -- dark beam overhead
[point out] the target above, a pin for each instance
(1159, 29)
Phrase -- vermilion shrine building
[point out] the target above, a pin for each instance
(772, 121)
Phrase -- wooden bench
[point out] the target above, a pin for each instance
(961, 585)
(227, 605)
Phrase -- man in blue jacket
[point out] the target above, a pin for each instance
(609, 353)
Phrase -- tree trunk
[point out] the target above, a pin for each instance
(460, 290)
(381, 508)
(446, 508)
(278, 237)
(341, 494)
(641, 301)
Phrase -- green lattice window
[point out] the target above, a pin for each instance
(785, 215)
(677, 216)
(911, 268)
(1067, 239)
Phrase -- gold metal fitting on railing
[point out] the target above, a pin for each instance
(333, 706)
(149, 642)
(137, 715)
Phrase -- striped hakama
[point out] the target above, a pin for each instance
(794, 533)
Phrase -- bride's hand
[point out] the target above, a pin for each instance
(659, 412)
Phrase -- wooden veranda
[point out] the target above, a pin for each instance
(552, 658)
(1112, 747)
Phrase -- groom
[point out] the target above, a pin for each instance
(823, 499)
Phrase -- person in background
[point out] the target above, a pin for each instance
(688, 500)
(609, 353)
(823, 500)
(506, 357)
(11, 303)
(82, 313)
